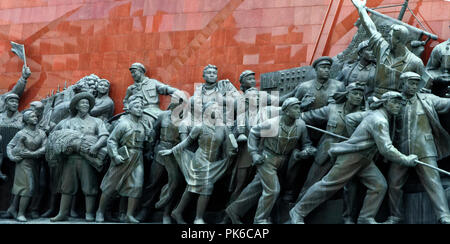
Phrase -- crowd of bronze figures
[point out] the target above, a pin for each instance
(377, 106)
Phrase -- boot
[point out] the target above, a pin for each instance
(370, 221)
(11, 212)
(24, 201)
(51, 211)
(73, 211)
(392, 220)
(132, 203)
(64, 209)
(143, 214)
(103, 204)
(90, 208)
(233, 216)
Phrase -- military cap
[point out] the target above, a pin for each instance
(363, 45)
(288, 102)
(138, 66)
(391, 95)
(245, 74)
(11, 95)
(410, 76)
(354, 86)
(322, 60)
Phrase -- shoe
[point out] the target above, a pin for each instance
(35, 215)
(99, 218)
(226, 220)
(74, 214)
(122, 218)
(59, 218)
(263, 222)
(131, 219)
(21, 218)
(178, 218)
(89, 217)
(367, 221)
(199, 222)
(167, 220)
(142, 215)
(48, 213)
(349, 221)
(9, 214)
(235, 219)
(392, 220)
(295, 217)
(445, 220)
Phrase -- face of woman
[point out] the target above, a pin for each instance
(103, 87)
(136, 109)
(32, 119)
(355, 97)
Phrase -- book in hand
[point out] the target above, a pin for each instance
(123, 152)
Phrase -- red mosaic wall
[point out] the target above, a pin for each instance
(68, 39)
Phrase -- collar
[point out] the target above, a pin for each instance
(319, 85)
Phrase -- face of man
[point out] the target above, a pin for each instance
(323, 72)
(83, 106)
(395, 39)
(136, 109)
(136, 74)
(249, 81)
(103, 87)
(367, 54)
(210, 75)
(37, 110)
(12, 104)
(411, 87)
(393, 106)
(293, 111)
(355, 97)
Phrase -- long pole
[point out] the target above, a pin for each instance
(345, 138)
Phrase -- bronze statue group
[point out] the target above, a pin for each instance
(380, 105)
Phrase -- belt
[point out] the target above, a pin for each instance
(272, 152)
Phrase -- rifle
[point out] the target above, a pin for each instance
(345, 138)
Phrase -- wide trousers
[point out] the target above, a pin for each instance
(431, 181)
(346, 167)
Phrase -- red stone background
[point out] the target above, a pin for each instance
(68, 39)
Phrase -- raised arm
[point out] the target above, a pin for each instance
(19, 88)
(364, 17)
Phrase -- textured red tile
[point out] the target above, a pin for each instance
(70, 45)
(121, 10)
(47, 62)
(96, 61)
(125, 25)
(282, 54)
(277, 17)
(234, 55)
(124, 61)
(72, 61)
(16, 33)
(59, 63)
(194, 21)
(110, 61)
(165, 41)
(192, 6)
(84, 61)
(251, 59)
